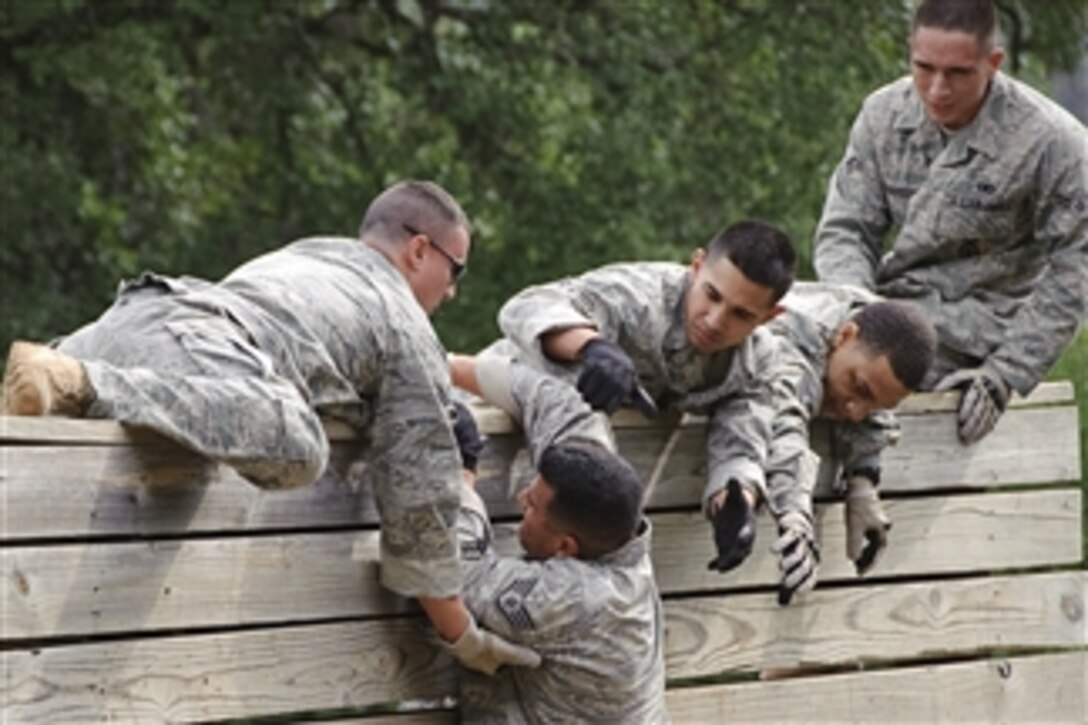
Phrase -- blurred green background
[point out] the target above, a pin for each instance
(185, 136)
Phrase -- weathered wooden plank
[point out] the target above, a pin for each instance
(1046, 393)
(1027, 446)
(957, 534)
(145, 490)
(429, 717)
(1035, 689)
(68, 431)
(1031, 446)
(241, 674)
(710, 635)
(87, 589)
(359, 664)
(52, 491)
(157, 585)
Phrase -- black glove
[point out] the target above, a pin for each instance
(468, 436)
(734, 529)
(608, 376)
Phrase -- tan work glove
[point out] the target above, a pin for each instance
(486, 652)
(984, 398)
(866, 523)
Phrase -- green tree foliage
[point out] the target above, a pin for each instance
(188, 135)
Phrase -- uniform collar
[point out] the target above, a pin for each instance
(634, 550)
(983, 135)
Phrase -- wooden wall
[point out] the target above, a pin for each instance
(140, 583)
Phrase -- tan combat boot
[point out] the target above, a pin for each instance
(42, 381)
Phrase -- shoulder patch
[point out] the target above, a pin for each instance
(511, 602)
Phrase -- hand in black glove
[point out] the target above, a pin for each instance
(608, 375)
(468, 436)
(734, 529)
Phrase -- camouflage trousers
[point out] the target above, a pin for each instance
(192, 374)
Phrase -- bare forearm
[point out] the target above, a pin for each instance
(564, 345)
(449, 615)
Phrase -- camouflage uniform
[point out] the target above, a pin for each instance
(597, 624)
(640, 306)
(240, 370)
(814, 313)
(992, 224)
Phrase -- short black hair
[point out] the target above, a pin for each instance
(761, 251)
(902, 332)
(976, 17)
(597, 494)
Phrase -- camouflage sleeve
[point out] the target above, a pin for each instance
(474, 534)
(539, 309)
(739, 430)
(1040, 330)
(548, 409)
(416, 472)
(791, 463)
(850, 236)
(617, 300)
(858, 445)
(527, 601)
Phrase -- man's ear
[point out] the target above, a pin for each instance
(846, 333)
(773, 313)
(697, 259)
(415, 252)
(568, 547)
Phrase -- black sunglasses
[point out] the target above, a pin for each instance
(457, 269)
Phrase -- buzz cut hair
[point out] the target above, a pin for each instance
(423, 206)
(975, 17)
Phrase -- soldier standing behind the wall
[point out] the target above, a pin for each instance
(986, 182)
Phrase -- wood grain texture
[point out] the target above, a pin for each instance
(141, 583)
(108, 587)
(1034, 689)
(99, 491)
(430, 717)
(711, 635)
(955, 534)
(359, 664)
(69, 431)
(241, 674)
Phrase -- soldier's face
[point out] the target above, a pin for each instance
(857, 382)
(435, 280)
(539, 536)
(951, 74)
(723, 306)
